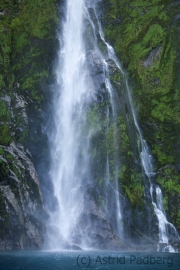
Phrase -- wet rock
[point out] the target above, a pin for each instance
(154, 54)
(157, 81)
(96, 73)
(33, 234)
(21, 105)
(11, 200)
(177, 17)
(174, 241)
(21, 206)
(7, 99)
(95, 226)
(176, 245)
(162, 246)
(95, 63)
(3, 13)
(112, 65)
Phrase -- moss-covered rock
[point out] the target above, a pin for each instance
(145, 36)
(27, 48)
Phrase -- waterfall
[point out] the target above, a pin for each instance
(74, 136)
(70, 148)
(72, 140)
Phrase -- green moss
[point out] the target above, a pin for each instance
(27, 48)
(135, 193)
(1, 151)
(23, 136)
(145, 37)
(93, 117)
(4, 112)
(5, 137)
(169, 180)
(38, 25)
(132, 185)
(33, 46)
(5, 51)
(162, 156)
(144, 27)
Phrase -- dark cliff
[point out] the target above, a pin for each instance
(27, 48)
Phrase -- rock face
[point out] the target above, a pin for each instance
(21, 208)
(96, 68)
(93, 225)
(24, 75)
(154, 54)
(21, 201)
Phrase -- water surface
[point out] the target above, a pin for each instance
(53, 260)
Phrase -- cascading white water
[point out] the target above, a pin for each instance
(146, 158)
(119, 210)
(114, 183)
(158, 204)
(69, 149)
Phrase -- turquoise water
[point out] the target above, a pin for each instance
(71, 260)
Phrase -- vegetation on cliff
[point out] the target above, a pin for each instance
(27, 47)
(145, 35)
